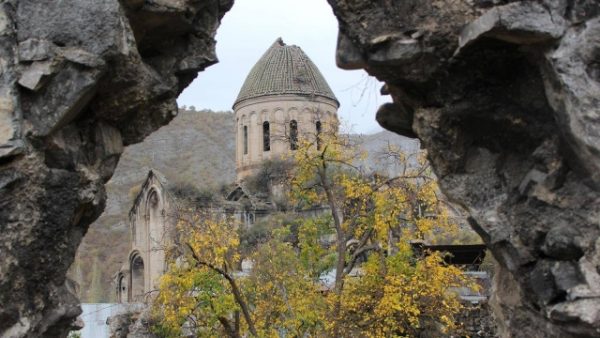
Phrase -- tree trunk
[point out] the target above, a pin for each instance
(237, 295)
(341, 248)
(242, 303)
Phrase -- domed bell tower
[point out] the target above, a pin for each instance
(284, 99)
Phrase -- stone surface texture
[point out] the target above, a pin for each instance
(131, 324)
(505, 96)
(79, 80)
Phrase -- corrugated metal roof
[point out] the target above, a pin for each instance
(283, 70)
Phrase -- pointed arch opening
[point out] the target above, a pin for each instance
(245, 140)
(319, 130)
(154, 217)
(293, 135)
(121, 289)
(137, 278)
(266, 136)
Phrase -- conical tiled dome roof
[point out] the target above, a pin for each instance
(284, 69)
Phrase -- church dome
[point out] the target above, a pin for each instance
(284, 70)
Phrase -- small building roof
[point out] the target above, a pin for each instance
(284, 70)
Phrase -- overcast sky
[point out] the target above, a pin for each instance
(250, 28)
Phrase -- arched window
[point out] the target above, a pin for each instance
(122, 289)
(266, 136)
(293, 135)
(245, 140)
(137, 278)
(155, 220)
(319, 128)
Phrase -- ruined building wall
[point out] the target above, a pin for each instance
(79, 80)
(505, 97)
(152, 221)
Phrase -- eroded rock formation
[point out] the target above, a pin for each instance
(505, 95)
(79, 79)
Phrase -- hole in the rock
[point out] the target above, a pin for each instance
(284, 93)
(561, 296)
(593, 68)
(9, 158)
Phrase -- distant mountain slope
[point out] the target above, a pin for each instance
(196, 147)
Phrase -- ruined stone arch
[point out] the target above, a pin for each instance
(122, 288)
(136, 277)
(155, 223)
(154, 210)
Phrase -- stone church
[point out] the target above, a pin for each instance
(149, 222)
(284, 97)
(283, 100)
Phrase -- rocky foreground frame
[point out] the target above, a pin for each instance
(503, 94)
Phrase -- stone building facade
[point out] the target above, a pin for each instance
(150, 220)
(284, 99)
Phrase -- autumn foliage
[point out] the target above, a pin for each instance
(350, 272)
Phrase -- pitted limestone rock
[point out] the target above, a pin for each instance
(505, 97)
(79, 79)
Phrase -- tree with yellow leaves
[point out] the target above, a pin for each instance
(200, 292)
(393, 293)
(379, 287)
(204, 293)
